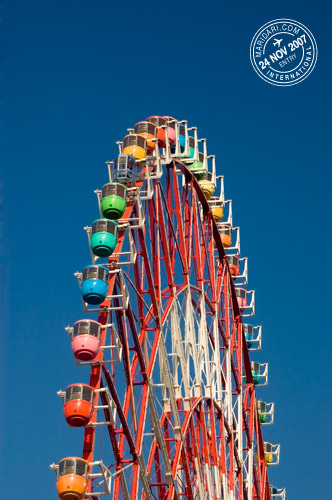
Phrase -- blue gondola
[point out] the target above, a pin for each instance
(94, 285)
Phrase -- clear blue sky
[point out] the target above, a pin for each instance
(76, 74)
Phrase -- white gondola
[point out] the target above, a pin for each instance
(277, 493)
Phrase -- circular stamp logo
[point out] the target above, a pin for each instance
(283, 52)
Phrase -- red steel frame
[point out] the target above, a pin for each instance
(178, 249)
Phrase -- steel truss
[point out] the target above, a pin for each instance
(185, 422)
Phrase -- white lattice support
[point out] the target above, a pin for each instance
(177, 344)
(190, 344)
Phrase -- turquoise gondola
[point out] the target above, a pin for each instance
(249, 334)
(104, 237)
(255, 370)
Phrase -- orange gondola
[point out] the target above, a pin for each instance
(78, 407)
(148, 130)
(72, 478)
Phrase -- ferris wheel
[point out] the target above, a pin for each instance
(170, 410)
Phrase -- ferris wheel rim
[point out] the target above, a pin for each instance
(170, 303)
